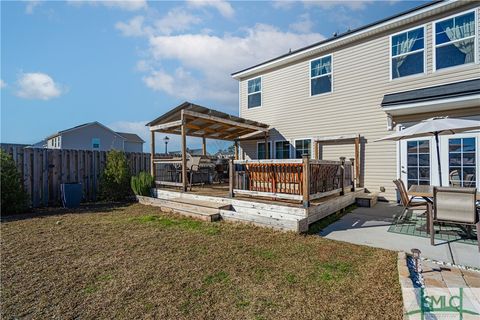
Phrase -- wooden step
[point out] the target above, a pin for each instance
(203, 210)
(366, 199)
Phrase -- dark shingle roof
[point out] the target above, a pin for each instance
(451, 90)
(131, 137)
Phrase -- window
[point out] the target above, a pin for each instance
(321, 75)
(303, 147)
(261, 149)
(461, 162)
(95, 143)
(418, 162)
(282, 150)
(255, 92)
(408, 53)
(455, 41)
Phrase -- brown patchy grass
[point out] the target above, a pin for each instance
(133, 261)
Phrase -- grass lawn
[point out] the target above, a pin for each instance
(133, 261)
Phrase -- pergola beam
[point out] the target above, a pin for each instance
(168, 125)
(222, 120)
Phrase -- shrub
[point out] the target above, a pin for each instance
(115, 180)
(142, 183)
(14, 199)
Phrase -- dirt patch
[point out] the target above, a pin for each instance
(133, 261)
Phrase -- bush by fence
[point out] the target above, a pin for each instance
(43, 170)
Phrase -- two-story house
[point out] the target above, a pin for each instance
(94, 136)
(371, 81)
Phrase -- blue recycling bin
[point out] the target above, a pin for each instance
(71, 194)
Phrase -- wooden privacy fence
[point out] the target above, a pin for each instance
(292, 179)
(43, 170)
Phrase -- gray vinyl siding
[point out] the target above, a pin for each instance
(82, 139)
(133, 146)
(361, 77)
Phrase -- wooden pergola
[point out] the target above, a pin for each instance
(193, 120)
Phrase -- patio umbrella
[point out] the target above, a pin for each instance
(435, 127)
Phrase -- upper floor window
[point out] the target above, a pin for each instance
(303, 147)
(321, 75)
(282, 150)
(408, 53)
(255, 92)
(455, 41)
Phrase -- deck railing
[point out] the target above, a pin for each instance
(168, 172)
(292, 179)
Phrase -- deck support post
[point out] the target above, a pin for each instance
(316, 145)
(352, 173)
(231, 178)
(152, 154)
(204, 146)
(306, 181)
(342, 176)
(235, 145)
(357, 161)
(184, 153)
(267, 151)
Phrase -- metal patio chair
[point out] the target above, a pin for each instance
(407, 202)
(454, 205)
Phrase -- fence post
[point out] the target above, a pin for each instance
(306, 181)
(231, 178)
(352, 160)
(342, 174)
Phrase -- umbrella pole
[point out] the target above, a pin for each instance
(438, 159)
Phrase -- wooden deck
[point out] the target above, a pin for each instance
(276, 213)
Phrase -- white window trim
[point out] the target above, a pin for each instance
(434, 41)
(433, 159)
(275, 148)
(310, 78)
(445, 155)
(270, 148)
(424, 26)
(294, 151)
(261, 92)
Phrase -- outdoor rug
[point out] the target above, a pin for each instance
(415, 223)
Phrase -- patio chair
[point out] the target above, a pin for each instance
(406, 201)
(454, 205)
(193, 165)
(455, 179)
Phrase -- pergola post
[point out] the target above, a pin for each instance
(357, 160)
(204, 146)
(267, 151)
(316, 146)
(184, 153)
(235, 145)
(152, 154)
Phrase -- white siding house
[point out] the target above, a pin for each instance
(342, 86)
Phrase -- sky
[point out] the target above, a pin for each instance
(124, 63)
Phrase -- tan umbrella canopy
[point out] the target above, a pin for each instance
(435, 127)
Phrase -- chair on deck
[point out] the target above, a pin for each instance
(406, 201)
(193, 166)
(455, 206)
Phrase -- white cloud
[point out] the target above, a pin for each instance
(304, 25)
(137, 127)
(329, 4)
(133, 28)
(30, 7)
(223, 7)
(3, 84)
(37, 86)
(283, 4)
(128, 5)
(205, 61)
(176, 20)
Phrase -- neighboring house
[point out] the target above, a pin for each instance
(94, 136)
(371, 81)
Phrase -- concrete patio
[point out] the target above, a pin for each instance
(369, 226)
